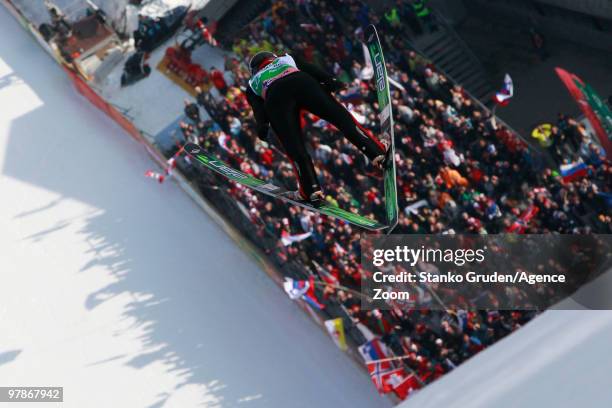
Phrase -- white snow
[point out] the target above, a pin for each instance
(158, 8)
(37, 12)
(122, 290)
(561, 359)
(154, 102)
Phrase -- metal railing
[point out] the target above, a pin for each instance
(451, 31)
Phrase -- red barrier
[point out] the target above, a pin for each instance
(84, 89)
(580, 92)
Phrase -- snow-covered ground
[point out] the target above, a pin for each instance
(156, 101)
(122, 290)
(561, 359)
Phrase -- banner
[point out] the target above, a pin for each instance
(592, 106)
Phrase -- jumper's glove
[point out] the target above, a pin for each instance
(333, 85)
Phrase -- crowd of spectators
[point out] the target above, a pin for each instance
(458, 170)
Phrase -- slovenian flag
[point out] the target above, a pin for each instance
(502, 97)
(573, 171)
(374, 353)
(373, 350)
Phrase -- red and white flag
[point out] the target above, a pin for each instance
(403, 385)
(380, 373)
(154, 175)
(170, 165)
(502, 97)
(374, 353)
(287, 239)
(168, 168)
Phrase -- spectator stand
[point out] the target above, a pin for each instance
(514, 202)
(187, 62)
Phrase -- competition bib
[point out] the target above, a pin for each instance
(279, 68)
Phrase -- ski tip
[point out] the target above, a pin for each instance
(192, 148)
(370, 32)
(389, 229)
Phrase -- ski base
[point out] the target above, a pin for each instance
(210, 162)
(386, 121)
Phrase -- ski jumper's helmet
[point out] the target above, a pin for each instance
(261, 59)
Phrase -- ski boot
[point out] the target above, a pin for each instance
(380, 160)
(316, 198)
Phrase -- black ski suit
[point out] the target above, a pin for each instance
(304, 90)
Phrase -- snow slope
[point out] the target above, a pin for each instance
(122, 290)
(561, 359)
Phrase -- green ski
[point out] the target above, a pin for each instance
(386, 123)
(218, 166)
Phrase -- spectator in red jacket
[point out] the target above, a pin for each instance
(218, 80)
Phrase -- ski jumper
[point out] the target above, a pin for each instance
(279, 91)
